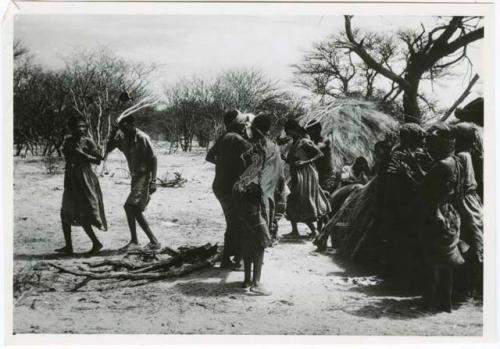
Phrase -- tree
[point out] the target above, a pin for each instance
(195, 107)
(331, 70)
(40, 106)
(428, 54)
(95, 80)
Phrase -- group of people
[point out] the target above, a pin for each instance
(253, 190)
(420, 216)
(427, 208)
(421, 197)
(82, 203)
(248, 174)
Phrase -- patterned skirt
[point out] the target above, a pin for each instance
(307, 201)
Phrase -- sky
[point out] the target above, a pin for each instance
(205, 44)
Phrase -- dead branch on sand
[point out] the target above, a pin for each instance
(182, 262)
(176, 182)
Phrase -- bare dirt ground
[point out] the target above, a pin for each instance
(312, 293)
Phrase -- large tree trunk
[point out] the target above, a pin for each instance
(410, 96)
(410, 107)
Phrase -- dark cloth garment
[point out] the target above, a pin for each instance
(137, 150)
(439, 287)
(307, 201)
(442, 235)
(139, 191)
(226, 154)
(381, 165)
(232, 235)
(255, 230)
(469, 277)
(82, 202)
(402, 215)
(254, 192)
(478, 165)
(324, 165)
(470, 207)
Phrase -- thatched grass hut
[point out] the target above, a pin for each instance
(353, 126)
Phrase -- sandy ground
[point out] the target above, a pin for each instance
(312, 293)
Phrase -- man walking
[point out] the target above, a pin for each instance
(142, 164)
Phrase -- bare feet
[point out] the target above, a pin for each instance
(312, 235)
(260, 290)
(131, 246)
(292, 235)
(152, 246)
(95, 249)
(65, 250)
(246, 284)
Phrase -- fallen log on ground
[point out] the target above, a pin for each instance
(183, 262)
(177, 182)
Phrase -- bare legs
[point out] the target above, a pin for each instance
(96, 245)
(295, 231)
(252, 277)
(311, 226)
(134, 215)
(232, 243)
(247, 263)
(68, 248)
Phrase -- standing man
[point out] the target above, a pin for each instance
(142, 164)
(226, 155)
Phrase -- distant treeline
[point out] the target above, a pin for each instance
(388, 69)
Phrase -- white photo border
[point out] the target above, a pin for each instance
(369, 8)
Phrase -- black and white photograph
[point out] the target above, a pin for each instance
(250, 174)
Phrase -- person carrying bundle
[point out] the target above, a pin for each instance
(254, 193)
(307, 203)
(82, 202)
(226, 154)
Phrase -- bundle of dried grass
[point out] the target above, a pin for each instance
(353, 126)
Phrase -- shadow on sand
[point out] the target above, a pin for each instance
(198, 288)
(387, 299)
(59, 256)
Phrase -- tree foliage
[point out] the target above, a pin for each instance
(88, 85)
(196, 106)
(389, 68)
